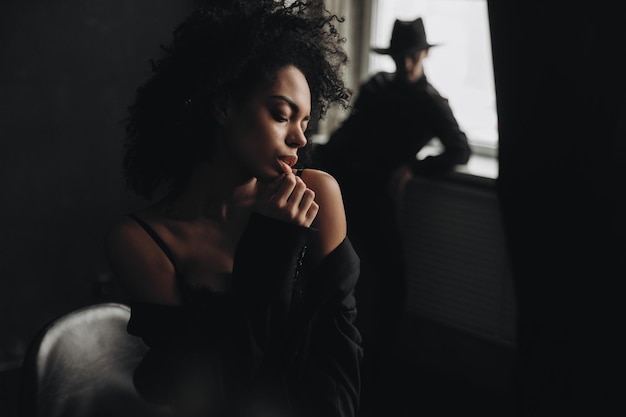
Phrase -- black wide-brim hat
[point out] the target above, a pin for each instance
(407, 37)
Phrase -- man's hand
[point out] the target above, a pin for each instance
(397, 183)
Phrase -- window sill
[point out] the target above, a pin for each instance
(480, 166)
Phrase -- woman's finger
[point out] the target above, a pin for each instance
(288, 199)
(267, 190)
(311, 214)
(293, 200)
(284, 190)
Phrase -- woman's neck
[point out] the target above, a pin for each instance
(215, 192)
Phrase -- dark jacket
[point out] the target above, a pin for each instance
(283, 340)
(389, 124)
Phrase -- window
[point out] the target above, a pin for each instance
(460, 67)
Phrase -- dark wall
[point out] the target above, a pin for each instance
(69, 70)
(560, 97)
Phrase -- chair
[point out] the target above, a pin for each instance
(81, 364)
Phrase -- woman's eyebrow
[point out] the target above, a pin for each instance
(290, 102)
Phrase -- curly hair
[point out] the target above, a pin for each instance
(218, 51)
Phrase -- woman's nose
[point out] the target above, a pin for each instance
(296, 138)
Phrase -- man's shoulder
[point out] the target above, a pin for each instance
(429, 89)
(378, 82)
(382, 77)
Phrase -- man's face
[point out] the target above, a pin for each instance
(410, 68)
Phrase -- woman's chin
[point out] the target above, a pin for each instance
(266, 178)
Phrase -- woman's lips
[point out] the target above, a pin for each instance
(284, 166)
(286, 162)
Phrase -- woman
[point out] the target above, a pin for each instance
(240, 274)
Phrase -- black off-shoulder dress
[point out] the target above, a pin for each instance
(282, 343)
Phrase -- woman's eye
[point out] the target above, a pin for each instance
(280, 118)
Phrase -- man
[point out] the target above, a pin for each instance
(372, 155)
(395, 115)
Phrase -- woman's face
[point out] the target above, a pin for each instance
(268, 127)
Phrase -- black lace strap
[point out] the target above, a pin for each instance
(157, 239)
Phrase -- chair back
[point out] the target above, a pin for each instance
(81, 364)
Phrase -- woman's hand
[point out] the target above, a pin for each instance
(287, 198)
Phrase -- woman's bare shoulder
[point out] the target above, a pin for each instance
(139, 264)
(327, 190)
(321, 182)
(331, 218)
